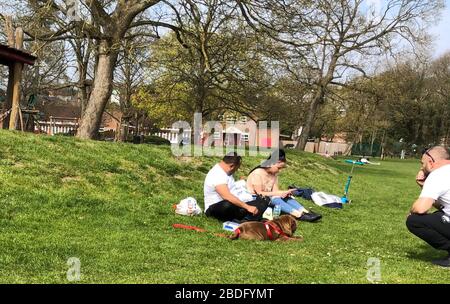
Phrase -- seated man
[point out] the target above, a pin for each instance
(434, 177)
(220, 203)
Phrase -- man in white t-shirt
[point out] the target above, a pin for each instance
(220, 202)
(434, 178)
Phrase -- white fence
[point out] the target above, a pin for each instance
(328, 148)
(173, 135)
(57, 125)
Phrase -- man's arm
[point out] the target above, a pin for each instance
(225, 193)
(429, 195)
(420, 178)
(422, 205)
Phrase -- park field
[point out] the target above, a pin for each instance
(110, 206)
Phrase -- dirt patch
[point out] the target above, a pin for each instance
(189, 160)
(68, 179)
(19, 165)
(326, 168)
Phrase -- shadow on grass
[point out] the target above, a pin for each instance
(425, 253)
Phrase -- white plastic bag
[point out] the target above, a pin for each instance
(188, 207)
(240, 191)
(321, 199)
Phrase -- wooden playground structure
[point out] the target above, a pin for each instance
(13, 56)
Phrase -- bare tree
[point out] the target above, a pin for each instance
(130, 76)
(220, 67)
(83, 49)
(209, 44)
(440, 79)
(326, 39)
(107, 23)
(49, 70)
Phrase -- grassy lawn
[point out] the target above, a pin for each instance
(110, 206)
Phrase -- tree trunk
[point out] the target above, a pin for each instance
(101, 91)
(15, 107)
(383, 145)
(83, 95)
(318, 99)
(374, 133)
(312, 112)
(82, 90)
(446, 138)
(361, 137)
(9, 92)
(18, 69)
(119, 131)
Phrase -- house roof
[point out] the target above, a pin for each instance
(232, 130)
(59, 109)
(10, 55)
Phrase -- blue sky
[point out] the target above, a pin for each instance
(442, 32)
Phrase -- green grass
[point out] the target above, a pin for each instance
(110, 205)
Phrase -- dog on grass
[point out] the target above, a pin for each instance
(279, 229)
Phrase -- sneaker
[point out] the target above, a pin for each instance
(292, 187)
(310, 217)
(445, 262)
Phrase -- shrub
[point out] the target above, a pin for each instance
(155, 140)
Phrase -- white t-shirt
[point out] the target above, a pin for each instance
(216, 176)
(437, 187)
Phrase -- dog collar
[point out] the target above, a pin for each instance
(275, 228)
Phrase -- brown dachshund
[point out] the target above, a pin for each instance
(280, 229)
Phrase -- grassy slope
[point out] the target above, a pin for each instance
(110, 206)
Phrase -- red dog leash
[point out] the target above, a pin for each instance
(275, 228)
(181, 226)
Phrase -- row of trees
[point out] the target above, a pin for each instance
(409, 102)
(267, 59)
